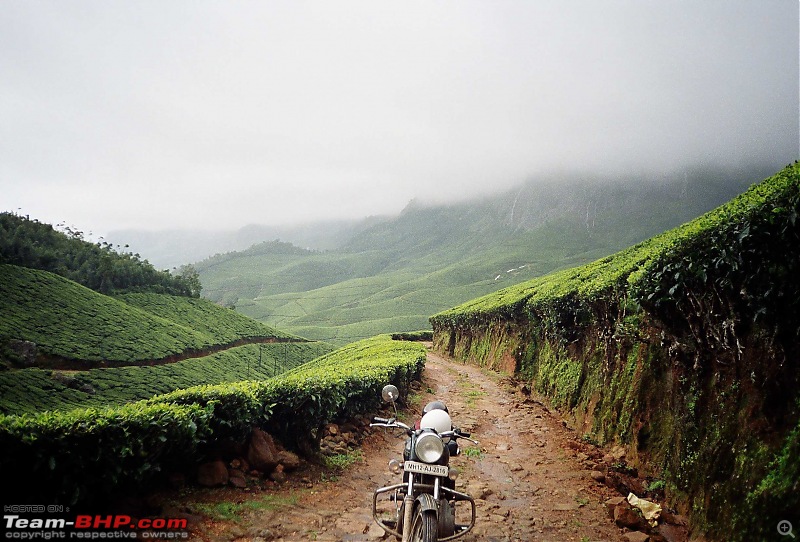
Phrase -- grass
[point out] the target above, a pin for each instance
(473, 452)
(342, 461)
(235, 511)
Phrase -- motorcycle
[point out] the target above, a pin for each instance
(423, 507)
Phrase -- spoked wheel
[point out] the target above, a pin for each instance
(424, 527)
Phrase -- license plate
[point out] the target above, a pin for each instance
(424, 468)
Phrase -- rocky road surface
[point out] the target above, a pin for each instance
(532, 477)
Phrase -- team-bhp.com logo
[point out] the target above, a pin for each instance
(94, 527)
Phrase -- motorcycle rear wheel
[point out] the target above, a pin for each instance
(424, 528)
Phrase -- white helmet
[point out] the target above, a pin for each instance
(438, 420)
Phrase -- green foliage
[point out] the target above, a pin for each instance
(28, 391)
(30, 243)
(683, 346)
(234, 511)
(413, 336)
(73, 322)
(90, 454)
(398, 272)
(97, 453)
(342, 461)
(473, 452)
(724, 248)
(224, 325)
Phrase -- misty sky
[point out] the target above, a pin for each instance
(201, 114)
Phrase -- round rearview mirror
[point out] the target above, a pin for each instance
(390, 393)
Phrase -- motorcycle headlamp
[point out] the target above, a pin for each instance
(429, 447)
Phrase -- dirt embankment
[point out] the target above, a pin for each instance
(530, 476)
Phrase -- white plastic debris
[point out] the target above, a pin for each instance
(650, 510)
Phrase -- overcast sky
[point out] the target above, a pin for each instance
(201, 114)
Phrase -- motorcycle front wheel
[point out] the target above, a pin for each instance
(424, 528)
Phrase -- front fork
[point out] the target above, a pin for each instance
(408, 506)
(426, 500)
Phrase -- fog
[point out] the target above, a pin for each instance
(201, 114)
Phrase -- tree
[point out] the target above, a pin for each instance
(191, 279)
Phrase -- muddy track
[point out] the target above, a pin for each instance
(530, 476)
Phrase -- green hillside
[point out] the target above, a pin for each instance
(683, 348)
(640, 268)
(394, 274)
(100, 266)
(28, 391)
(91, 455)
(69, 321)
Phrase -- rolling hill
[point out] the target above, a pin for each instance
(67, 321)
(393, 274)
(133, 345)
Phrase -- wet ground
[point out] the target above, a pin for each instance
(529, 476)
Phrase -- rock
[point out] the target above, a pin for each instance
(612, 503)
(236, 478)
(618, 453)
(615, 481)
(289, 460)
(278, 476)
(625, 516)
(636, 536)
(238, 481)
(212, 474)
(597, 476)
(332, 429)
(673, 519)
(261, 452)
(374, 532)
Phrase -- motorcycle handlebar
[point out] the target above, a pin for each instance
(391, 422)
(383, 422)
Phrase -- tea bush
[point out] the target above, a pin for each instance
(89, 454)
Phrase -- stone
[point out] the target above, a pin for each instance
(289, 460)
(636, 536)
(597, 476)
(278, 476)
(212, 474)
(618, 453)
(625, 516)
(262, 452)
(238, 481)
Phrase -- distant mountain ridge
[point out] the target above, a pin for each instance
(395, 273)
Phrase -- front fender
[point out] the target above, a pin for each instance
(426, 503)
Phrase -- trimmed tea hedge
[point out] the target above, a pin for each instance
(88, 455)
(30, 391)
(71, 321)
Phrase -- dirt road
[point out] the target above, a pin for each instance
(530, 475)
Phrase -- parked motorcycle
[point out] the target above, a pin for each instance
(423, 507)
